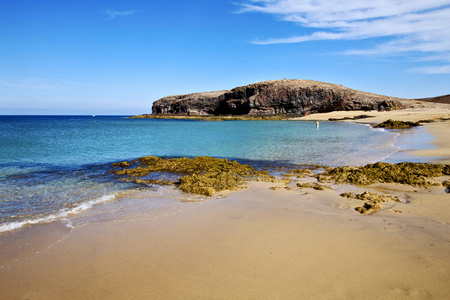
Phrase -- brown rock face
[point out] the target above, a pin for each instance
(274, 97)
(440, 99)
(190, 104)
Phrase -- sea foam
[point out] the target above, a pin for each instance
(60, 215)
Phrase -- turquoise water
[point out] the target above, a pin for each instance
(54, 166)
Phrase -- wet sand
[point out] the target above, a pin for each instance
(441, 132)
(253, 244)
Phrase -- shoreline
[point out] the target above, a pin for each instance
(254, 243)
(307, 244)
(437, 116)
(82, 207)
(441, 142)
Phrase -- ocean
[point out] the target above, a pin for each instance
(52, 167)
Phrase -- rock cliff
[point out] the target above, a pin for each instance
(274, 97)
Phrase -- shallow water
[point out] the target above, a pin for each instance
(54, 166)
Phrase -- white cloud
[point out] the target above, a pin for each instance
(433, 70)
(440, 57)
(117, 13)
(410, 25)
(30, 83)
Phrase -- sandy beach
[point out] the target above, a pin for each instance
(414, 111)
(256, 243)
(438, 113)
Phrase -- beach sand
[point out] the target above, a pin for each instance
(415, 111)
(253, 244)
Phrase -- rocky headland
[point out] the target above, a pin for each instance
(275, 97)
(439, 99)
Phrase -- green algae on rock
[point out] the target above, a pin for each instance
(391, 124)
(313, 185)
(415, 174)
(373, 201)
(300, 172)
(202, 175)
(207, 175)
(446, 184)
(154, 181)
(274, 188)
(122, 164)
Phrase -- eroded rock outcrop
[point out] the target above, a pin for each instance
(274, 97)
(190, 104)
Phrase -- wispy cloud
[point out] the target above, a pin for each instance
(30, 83)
(119, 13)
(410, 25)
(433, 70)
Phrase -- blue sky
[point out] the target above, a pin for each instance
(117, 57)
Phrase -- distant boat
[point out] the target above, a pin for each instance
(93, 115)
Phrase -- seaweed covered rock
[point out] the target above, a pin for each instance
(122, 164)
(202, 175)
(313, 185)
(372, 202)
(300, 172)
(391, 124)
(154, 181)
(446, 184)
(210, 183)
(416, 174)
